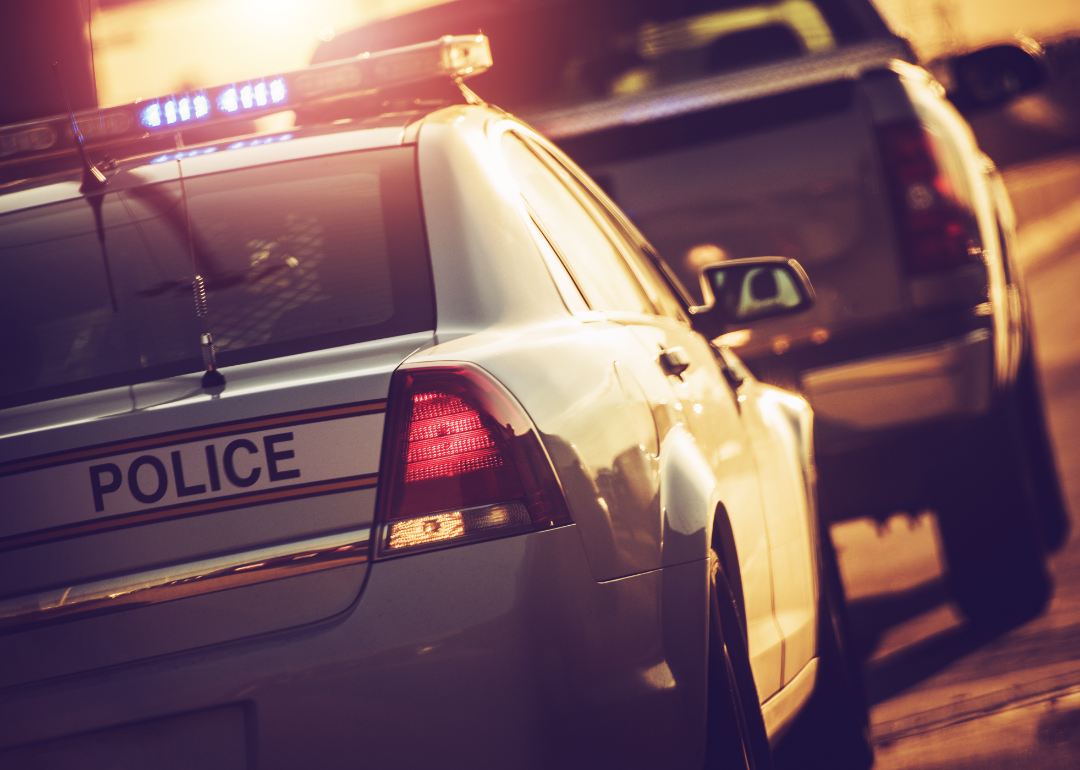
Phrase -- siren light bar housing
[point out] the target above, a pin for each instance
(448, 57)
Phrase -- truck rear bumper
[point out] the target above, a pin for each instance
(949, 379)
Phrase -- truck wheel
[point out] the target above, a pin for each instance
(989, 524)
(1053, 511)
(833, 729)
(735, 732)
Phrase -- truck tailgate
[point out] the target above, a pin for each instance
(793, 175)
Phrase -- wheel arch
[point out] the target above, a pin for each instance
(688, 495)
(696, 520)
(723, 543)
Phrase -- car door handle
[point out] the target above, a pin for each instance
(674, 361)
(734, 380)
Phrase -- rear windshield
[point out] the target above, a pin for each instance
(557, 53)
(294, 257)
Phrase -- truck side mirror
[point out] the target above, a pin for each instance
(741, 291)
(992, 76)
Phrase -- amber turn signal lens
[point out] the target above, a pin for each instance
(459, 526)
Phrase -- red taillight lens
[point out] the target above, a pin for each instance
(461, 462)
(936, 230)
(446, 438)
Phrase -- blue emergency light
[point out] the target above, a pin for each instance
(176, 110)
(448, 57)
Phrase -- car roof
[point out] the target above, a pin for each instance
(235, 152)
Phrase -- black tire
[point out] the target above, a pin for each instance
(1039, 453)
(735, 737)
(990, 523)
(833, 729)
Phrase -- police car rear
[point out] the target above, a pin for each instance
(266, 384)
(198, 360)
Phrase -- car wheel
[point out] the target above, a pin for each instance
(989, 524)
(735, 732)
(833, 729)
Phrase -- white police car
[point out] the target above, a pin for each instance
(387, 442)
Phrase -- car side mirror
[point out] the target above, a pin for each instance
(992, 76)
(741, 291)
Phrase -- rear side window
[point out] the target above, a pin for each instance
(648, 277)
(591, 257)
(294, 257)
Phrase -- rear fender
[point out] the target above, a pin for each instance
(688, 497)
(794, 412)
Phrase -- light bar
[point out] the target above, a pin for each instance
(449, 57)
(41, 136)
(175, 110)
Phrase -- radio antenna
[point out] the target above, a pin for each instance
(93, 67)
(212, 379)
(92, 179)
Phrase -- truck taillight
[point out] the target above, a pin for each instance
(461, 462)
(937, 232)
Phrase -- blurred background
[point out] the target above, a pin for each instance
(940, 27)
(135, 49)
(143, 48)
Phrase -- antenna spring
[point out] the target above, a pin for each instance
(209, 352)
(199, 286)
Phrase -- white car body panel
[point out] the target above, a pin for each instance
(474, 230)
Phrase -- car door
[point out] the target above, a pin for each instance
(616, 279)
(767, 415)
(770, 416)
(764, 416)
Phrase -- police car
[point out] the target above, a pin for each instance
(386, 441)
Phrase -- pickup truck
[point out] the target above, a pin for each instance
(805, 129)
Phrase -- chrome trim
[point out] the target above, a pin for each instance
(180, 581)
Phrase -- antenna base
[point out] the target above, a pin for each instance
(213, 379)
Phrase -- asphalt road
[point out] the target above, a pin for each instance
(942, 694)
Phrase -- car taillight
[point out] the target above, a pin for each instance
(461, 462)
(937, 232)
